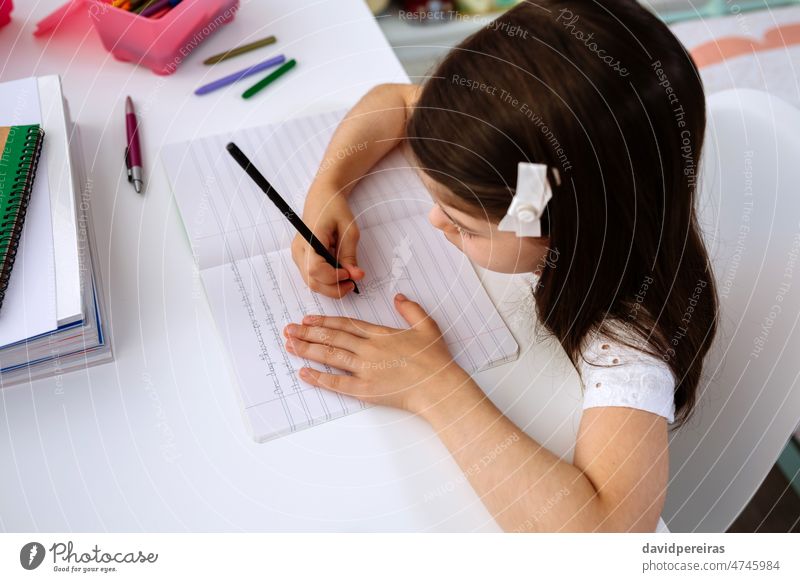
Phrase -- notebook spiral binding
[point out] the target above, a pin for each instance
(15, 210)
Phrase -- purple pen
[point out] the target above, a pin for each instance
(224, 81)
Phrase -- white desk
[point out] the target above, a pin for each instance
(154, 441)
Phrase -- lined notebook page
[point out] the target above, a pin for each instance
(228, 217)
(241, 241)
(253, 298)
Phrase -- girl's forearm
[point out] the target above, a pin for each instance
(372, 128)
(524, 486)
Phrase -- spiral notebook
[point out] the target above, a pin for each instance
(20, 147)
(253, 287)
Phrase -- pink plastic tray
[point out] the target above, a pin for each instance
(160, 44)
(5, 12)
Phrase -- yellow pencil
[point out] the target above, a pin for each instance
(239, 50)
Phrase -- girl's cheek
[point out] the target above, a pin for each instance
(493, 255)
(479, 250)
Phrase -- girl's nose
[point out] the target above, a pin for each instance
(437, 218)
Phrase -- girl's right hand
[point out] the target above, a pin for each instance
(329, 217)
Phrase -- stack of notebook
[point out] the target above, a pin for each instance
(51, 315)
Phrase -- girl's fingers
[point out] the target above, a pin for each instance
(319, 270)
(334, 357)
(349, 385)
(326, 336)
(313, 267)
(348, 245)
(414, 314)
(356, 327)
(337, 291)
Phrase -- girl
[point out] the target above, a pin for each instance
(563, 141)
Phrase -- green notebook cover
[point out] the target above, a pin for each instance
(20, 147)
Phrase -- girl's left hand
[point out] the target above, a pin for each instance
(404, 368)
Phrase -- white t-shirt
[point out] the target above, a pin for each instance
(623, 376)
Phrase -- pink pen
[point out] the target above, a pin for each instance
(133, 153)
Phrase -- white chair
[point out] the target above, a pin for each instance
(749, 405)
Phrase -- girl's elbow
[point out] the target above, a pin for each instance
(401, 93)
(621, 519)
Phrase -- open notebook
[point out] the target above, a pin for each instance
(242, 246)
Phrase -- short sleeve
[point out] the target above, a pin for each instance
(618, 375)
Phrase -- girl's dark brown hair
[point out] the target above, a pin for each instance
(603, 92)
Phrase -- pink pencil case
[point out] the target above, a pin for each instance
(5, 12)
(160, 44)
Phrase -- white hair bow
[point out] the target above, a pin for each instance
(532, 194)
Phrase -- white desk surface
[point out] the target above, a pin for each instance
(154, 441)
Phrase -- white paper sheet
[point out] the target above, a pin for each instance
(225, 212)
(254, 298)
(60, 135)
(254, 288)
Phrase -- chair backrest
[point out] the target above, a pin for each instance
(749, 405)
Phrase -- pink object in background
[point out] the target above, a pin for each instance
(160, 44)
(6, 7)
(53, 20)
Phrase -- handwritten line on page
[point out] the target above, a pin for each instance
(254, 288)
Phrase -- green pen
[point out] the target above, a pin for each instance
(288, 65)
